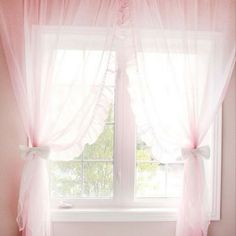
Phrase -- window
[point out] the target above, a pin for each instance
(154, 179)
(118, 174)
(90, 175)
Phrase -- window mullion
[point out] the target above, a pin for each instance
(82, 174)
(129, 142)
(118, 142)
(125, 140)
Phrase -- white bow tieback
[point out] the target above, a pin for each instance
(203, 152)
(28, 153)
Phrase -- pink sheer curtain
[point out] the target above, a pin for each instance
(62, 68)
(178, 56)
(183, 56)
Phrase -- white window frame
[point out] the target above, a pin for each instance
(123, 208)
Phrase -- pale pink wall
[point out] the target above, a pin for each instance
(11, 135)
(227, 225)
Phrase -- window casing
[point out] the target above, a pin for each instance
(124, 203)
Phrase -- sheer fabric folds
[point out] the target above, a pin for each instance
(62, 66)
(183, 57)
(34, 190)
(63, 57)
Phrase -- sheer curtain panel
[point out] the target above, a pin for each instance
(183, 56)
(61, 63)
(177, 55)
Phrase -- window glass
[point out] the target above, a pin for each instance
(154, 179)
(89, 175)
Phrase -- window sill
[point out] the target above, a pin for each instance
(117, 215)
(114, 215)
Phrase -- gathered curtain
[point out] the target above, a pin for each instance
(183, 56)
(178, 57)
(63, 95)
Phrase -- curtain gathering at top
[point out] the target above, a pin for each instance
(177, 56)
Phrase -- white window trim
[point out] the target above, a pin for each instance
(117, 215)
(216, 177)
(121, 208)
(114, 215)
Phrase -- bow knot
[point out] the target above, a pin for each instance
(29, 153)
(203, 152)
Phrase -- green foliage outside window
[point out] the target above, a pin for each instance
(90, 174)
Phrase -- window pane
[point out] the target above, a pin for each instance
(143, 152)
(150, 180)
(103, 148)
(111, 114)
(98, 179)
(89, 174)
(174, 179)
(154, 179)
(65, 179)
